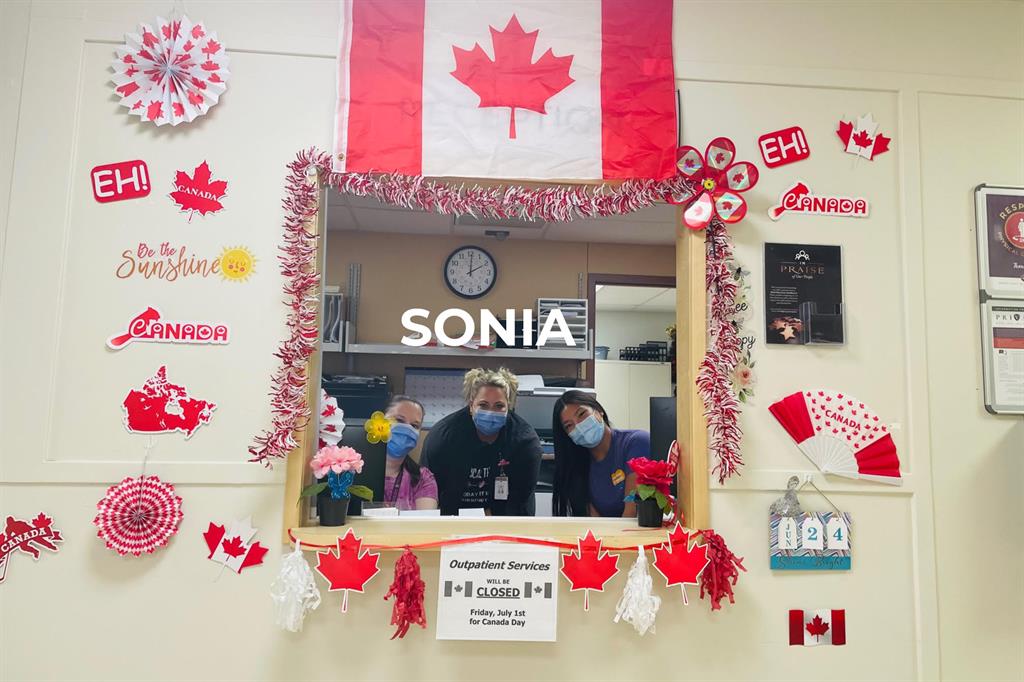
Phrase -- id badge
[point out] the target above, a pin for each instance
(501, 487)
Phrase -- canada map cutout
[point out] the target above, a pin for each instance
(163, 407)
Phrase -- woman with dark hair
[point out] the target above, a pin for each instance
(407, 485)
(592, 476)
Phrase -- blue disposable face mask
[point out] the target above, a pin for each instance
(403, 439)
(588, 433)
(489, 423)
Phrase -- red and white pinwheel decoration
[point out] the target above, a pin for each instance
(719, 181)
(172, 73)
(138, 515)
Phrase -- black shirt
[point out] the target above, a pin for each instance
(465, 467)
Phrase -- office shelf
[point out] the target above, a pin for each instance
(527, 353)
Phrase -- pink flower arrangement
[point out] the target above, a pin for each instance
(336, 459)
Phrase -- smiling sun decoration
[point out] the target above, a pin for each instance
(236, 263)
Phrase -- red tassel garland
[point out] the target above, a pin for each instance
(714, 580)
(407, 589)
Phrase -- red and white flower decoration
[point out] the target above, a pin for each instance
(172, 73)
(138, 515)
(719, 181)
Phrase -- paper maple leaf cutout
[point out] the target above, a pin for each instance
(874, 145)
(817, 627)
(234, 546)
(678, 562)
(512, 79)
(347, 570)
(588, 567)
(198, 193)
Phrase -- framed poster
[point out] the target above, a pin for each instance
(1000, 228)
(1002, 353)
(803, 294)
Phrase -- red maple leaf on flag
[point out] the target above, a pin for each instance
(512, 79)
(862, 139)
(198, 192)
(678, 562)
(817, 627)
(233, 547)
(588, 567)
(347, 569)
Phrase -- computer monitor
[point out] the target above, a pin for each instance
(536, 410)
(663, 426)
(374, 458)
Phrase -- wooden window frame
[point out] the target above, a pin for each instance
(691, 429)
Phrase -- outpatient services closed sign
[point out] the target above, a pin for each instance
(497, 591)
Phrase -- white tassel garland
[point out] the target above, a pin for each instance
(638, 605)
(294, 591)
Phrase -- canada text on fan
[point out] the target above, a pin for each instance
(840, 434)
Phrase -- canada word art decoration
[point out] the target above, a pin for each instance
(799, 199)
(782, 147)
(172, 73)
(120, 181)
(862, 138)
(840, 434)
(811, 628)
(162, 407)
(198, 193)
(149, 325)
(232, 546)
(138, 515)
(27, 537)
(811, 541)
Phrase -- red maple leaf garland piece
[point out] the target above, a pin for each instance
(512, 79)
(348, 569)
(588, 567)
(678, 562)
(198, 193)
(817, 627)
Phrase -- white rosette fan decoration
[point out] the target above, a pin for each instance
(172, 73)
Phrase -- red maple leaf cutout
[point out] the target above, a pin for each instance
(512, 79)
(254, 557)
(588, 567)
(817, 627)
(42, 521)
(213, 536)
(678, 562)
(347, 570)
(862, 139)
(198, 193)
(881, 145)
(234, 547)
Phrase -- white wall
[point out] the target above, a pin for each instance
(617, 329)
(936, 585)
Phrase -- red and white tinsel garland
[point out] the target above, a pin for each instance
(553, 203)
(714, 378)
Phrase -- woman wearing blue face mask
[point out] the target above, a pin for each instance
(591, 472)
(407, 485)
(485, 456)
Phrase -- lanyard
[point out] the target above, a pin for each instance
(394, 489)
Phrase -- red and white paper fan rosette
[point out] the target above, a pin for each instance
(138, 515)
(840, 434)
(171, 73)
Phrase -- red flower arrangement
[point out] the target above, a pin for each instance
(653, 478)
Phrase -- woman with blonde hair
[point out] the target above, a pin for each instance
(485, 456)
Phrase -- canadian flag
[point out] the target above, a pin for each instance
(811, 628)
(525, 89)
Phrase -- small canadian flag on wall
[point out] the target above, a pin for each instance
(811, 628)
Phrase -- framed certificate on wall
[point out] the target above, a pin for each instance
(1002, 352)
(1000, 227)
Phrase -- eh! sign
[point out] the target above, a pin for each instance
(783, 146)
(120, 181)
(498, 592)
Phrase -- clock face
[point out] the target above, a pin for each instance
(470, 272)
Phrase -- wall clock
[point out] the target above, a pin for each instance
(470, 272)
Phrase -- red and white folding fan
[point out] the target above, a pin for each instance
(840, 434)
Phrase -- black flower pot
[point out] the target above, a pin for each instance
(332, 511)
(648, 513)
